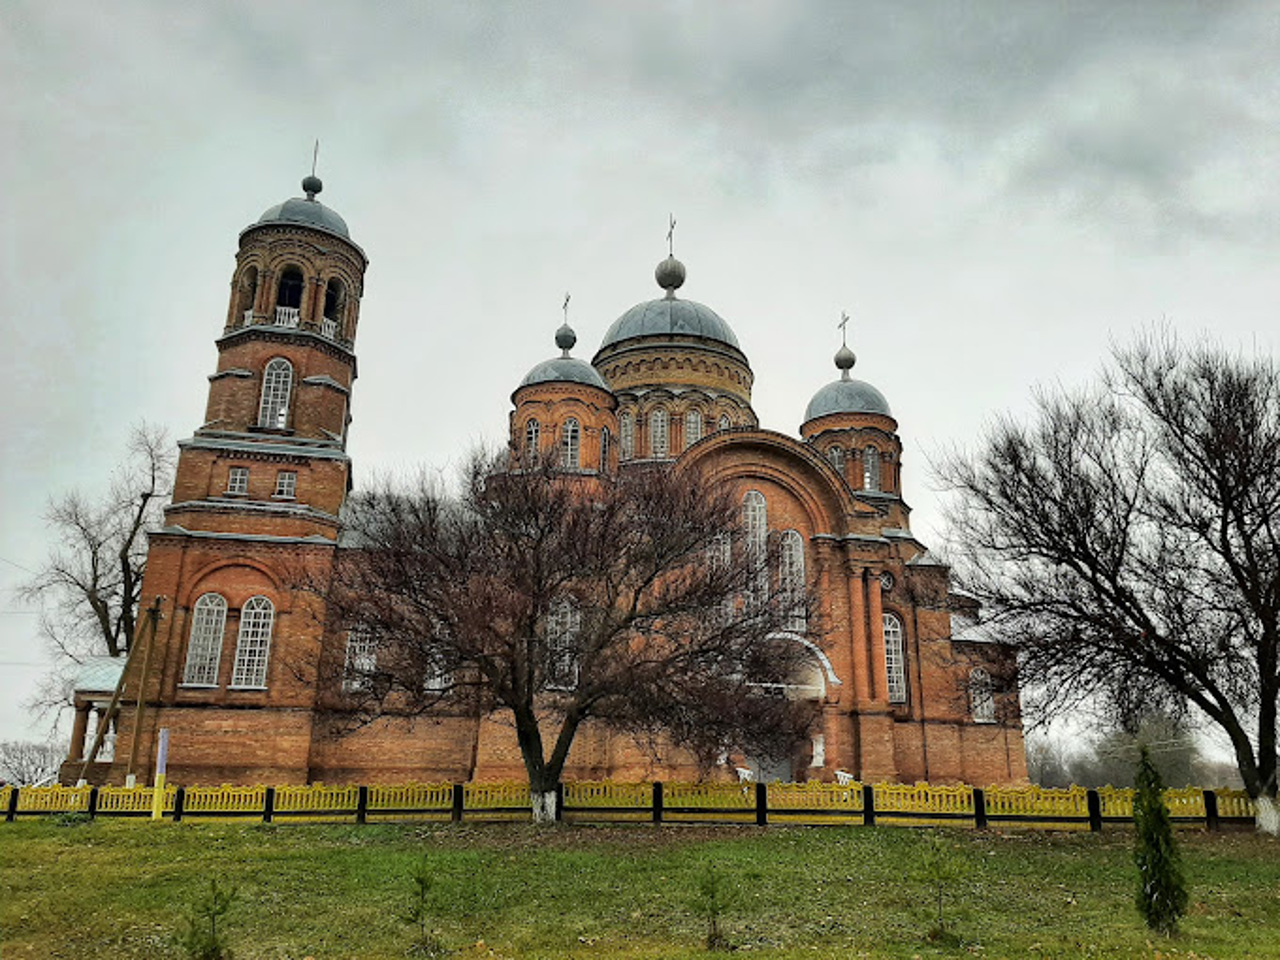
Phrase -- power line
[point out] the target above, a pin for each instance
(18, 565)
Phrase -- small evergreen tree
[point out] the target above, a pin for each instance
(1162, 891)
(202, 940)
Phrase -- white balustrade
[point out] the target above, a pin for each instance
(287, 316)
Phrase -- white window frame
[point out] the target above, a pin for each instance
(571, 445)
(659, 433)
(605, 442)
(692, 428)
(204, 648)
(791, 583)
(564, 623)
(532, 437)
(723, 423)
(277, 385)
(982, 696)
(755, 523)
(626, 437)
(871, 468)
(253, 644)
(835, 456)
(286, 485)
(895, 658)
(238, 481)
(361, 661)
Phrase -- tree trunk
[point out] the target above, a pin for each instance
(544, 805)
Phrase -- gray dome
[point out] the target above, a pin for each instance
(664, 317)
(307, 213)
(847, 396)
(564, 370)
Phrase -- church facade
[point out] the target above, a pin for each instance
(899, 690)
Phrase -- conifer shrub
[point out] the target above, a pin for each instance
(1162, 890)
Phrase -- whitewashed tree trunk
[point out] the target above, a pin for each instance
(544, 806)
(1267, 813)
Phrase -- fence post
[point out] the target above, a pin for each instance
(269, 805)
(979, 808)
(455, 814)
(13, 806)
(1095, 810)
(559, 802)
(93, 802)
(1211, 810)
(179, 801)
(762, 804)
(868, 805)
(657, 801)
(362, 804)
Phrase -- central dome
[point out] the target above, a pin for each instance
(664, 317)
(307, 212)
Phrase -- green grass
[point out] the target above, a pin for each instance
(122, 889)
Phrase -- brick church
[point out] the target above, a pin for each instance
(901, 690)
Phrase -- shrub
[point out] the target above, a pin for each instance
(202, 940)
(1162, 891)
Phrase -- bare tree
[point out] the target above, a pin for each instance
(1128, 542)
(559, 599)
(24, 762)
(90, 583)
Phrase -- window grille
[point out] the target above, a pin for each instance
(204, 650)
(692, 428)
(604, 450)
(286, 484)
(627, 437)
(277, 382)
(563, 625)
(569, 445)
(238, 480)
(895, 660)
(361, 662)
(254, 643)
(836, 457)
(982, 699)
(532, 433)
(791, 580)
(658, 433)
(755, 521)
(871, 469)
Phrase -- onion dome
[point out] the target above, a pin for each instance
(846, 395)
(670, 315)
(564, 368)
(307, 212)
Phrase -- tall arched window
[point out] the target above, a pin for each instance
(755, 521)
(532, 436)
(563, 625)
(836, 456)
(289, 297)
(605, 443)
(658, 444)
(895, 659)
(870, 469)
(362, 660)
(982, 698)
(569, 445)
(254, 643)
(334, 301)
(204, 650)
(627, 437)
(723, 422)
(791, 579)
(277, 382)
(248, 296)
(692, 428)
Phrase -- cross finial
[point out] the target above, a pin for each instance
(671, 233)
(315, 157)
(844, 322)
(565, 307)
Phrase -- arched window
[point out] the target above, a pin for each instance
(723, 423)
(836, 456)
(334, 301)
(982, 698)
(658, 445)
(627, 437)
(204, 650)
(563, 625)
(692, 428)
(870, 469)
(895, 659)
(362, 660)
(248, 296)
(791, 579)
(605, 441)
(569, 447)
(254, 643)
(277, 382)
(755, 521)
(289, 297)
(532, 436)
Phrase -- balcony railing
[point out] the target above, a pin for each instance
(287, 316)
(329, 328)
(248, 318)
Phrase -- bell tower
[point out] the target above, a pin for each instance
(255, 513)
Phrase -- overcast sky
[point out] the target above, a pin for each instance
(996, 192)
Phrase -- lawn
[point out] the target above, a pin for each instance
(122, 888)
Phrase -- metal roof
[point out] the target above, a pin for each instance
(564, 370)
(847, 396)
(667, 316)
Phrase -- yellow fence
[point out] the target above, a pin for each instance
(801, 803)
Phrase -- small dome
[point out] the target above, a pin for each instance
(670, 315)
(564, 370)
(847, 396)
(308, 212)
